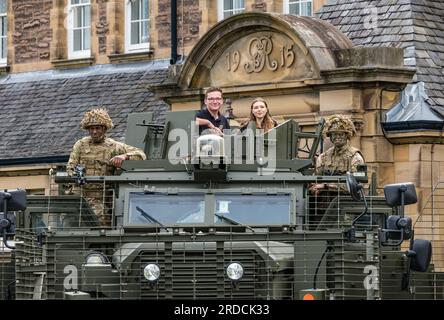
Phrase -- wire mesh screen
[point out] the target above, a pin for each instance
(331, 249)
(193, 269)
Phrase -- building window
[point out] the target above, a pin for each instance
(137, 27)
(79, 29)
(227, 8)
(299, 7)
(3, 31)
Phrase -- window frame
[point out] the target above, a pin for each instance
(221, 10)
(210, 197)
(287, 3)
(139, 47)
(78, 54)
(3, 61)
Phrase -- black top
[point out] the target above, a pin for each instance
(221, 122)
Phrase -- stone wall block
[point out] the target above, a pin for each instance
(32, 31)
(408, 172)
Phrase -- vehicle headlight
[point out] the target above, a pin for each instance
(151, 272)
(96, 257)
(235, 271)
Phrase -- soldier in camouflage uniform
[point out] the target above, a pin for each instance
(100, 156)
(337, 160)
(341, 157)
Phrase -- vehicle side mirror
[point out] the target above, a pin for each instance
(10, 200)
(353, 187)
(400, 194)
(357, 193)
(423, 254)
(13, 200)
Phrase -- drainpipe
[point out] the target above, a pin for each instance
(173, 32)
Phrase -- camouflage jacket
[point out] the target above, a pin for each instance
(95, 157)
(338, 162)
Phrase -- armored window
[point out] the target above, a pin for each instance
(227, 8)
(299, 7)
(79, 29)
(253, 209)
(3, 31)
(137, 30)
(159, 209)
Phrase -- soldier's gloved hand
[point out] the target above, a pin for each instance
(117, 160)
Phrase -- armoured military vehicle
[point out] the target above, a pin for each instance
(216, 218)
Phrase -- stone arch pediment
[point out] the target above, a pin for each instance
(253, 48)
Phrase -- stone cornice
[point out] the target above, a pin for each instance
(368, 74)
(417, 136)
(341, 78)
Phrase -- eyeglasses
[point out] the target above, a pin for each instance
(214, 99)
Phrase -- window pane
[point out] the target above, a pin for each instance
(135, 12)
(228, 4)
(252, 209)
(77, 39)
(77, 17)
(145, 32)
(146, 9)
(75, 1)
(152, 209)
(134, 32)
(239, 4)
(306, 8)
(3, 6)
(3, 48)
(86, 39)
(294, 8)
(228, 14)
(3, 26)
(87, 16)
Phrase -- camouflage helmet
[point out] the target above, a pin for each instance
(96, 117)
(339, 123)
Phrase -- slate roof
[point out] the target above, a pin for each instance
(41, 113)
(417, 26)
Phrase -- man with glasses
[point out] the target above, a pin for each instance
(210, 120)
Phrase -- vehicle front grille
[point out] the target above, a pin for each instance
(201, 274)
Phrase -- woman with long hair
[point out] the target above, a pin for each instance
(260, 114)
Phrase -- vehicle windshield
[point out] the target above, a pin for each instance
(253, 208)
(163, 209)
(166, 209)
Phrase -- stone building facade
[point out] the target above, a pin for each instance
(37, 35)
